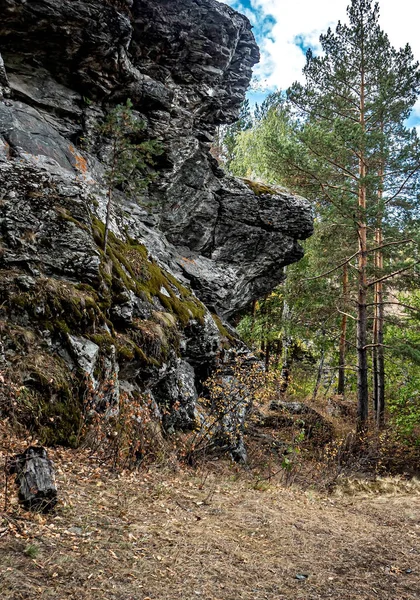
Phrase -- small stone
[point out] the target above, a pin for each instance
(76, 530)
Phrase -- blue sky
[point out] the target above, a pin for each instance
(284, 29)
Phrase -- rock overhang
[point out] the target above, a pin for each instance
(186, 66)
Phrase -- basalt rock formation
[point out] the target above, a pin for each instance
(196, 246)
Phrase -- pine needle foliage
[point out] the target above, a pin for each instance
(129, 159)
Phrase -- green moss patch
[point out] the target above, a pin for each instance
(55, 305)
(126, 266)
(222, 329)
(46, 397)
(64, 214)
(260, 189)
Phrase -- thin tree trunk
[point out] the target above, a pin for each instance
(381, 361)
(362, 365)
(109, 203)
(108, 219)
(361, 341)
(380, 358)
(379, 309)
(285, 368)
(378, 334)
(378, 321)
(319, 375)
(277, 354)
(253, 318)
(375, 331)
(375, 370)
(343, 338)
(267, 356)
(328, 386)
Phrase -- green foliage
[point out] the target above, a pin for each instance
(405, 405)
(350, 112)
(259, 150)
(129, 159)
(31, 551)
(229, 141)
(403, 370)
(225, 146)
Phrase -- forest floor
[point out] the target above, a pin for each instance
(214, 534)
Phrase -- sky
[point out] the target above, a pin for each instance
(285, 29)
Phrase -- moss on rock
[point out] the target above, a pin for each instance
(261, 189)
(222, 329)
(47, 398)
(42, 312)
(132, 270)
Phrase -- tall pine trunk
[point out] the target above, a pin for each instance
(378, 322)
(378, 327)
(343, 338)
(362, 364)
(253, 319)
(375, 382)
(361, 341)
(267, 356)
(319, 375)
(110, 190)
(277, 354)
(380, 414)
(286, 342)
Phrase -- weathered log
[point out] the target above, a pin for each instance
(36, 479)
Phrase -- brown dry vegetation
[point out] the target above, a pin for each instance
(216, 534)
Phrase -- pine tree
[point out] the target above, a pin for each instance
(348, 132)
(128, 161)
(345, 146)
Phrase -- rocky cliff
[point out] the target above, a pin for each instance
(196, 245)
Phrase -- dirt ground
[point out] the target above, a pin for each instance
(215, 535)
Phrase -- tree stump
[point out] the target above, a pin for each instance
(36, 479)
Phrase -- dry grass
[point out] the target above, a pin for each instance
(166, 535)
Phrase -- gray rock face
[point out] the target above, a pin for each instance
(250, 242)
(178, 395)
(4, 82)
(185, 65)
(86, 353)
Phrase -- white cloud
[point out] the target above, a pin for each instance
(282, 59)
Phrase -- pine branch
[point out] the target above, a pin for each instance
(330, 161)
(407, 306)
(397, 243)
(346, 314)
(385, 277)
(402, 186)
(332, 270)
(377, 346)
